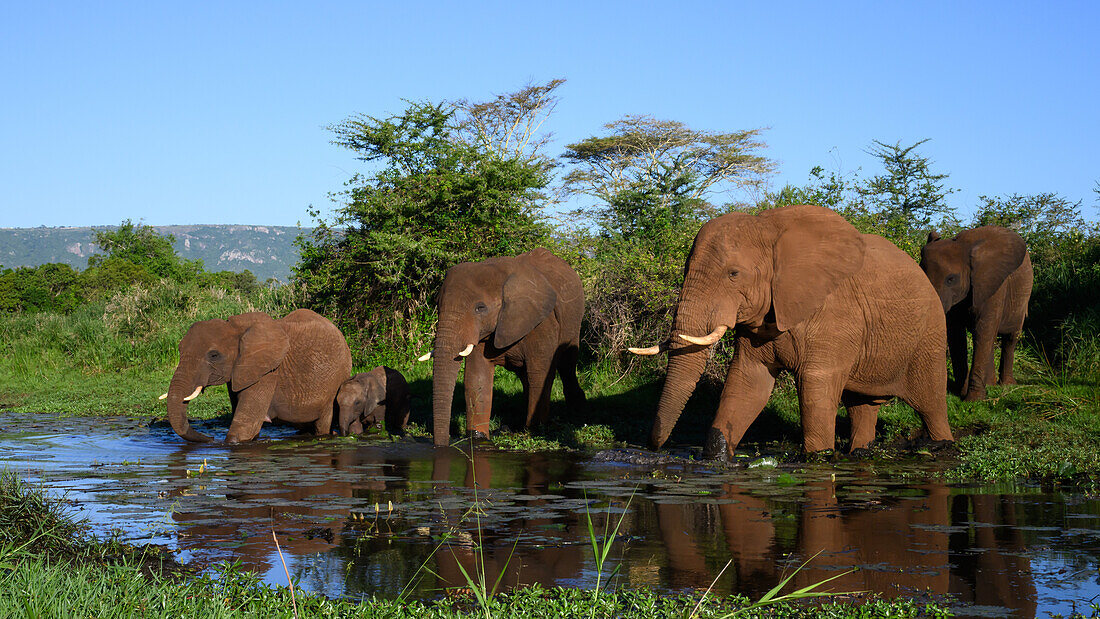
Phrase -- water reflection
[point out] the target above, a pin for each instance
(1002, 551)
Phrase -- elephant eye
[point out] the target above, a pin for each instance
(733, 274)
(481, 308)
(952, 280)
(214, 355)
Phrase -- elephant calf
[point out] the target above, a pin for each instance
(983, 277)
(375, 397)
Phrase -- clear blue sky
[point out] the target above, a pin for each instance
(177, 113)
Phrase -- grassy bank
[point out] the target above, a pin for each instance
(43, 552)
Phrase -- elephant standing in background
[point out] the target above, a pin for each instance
(983, 277)
(850, 314)
(368, 398)
(287, 369)
(522, 312)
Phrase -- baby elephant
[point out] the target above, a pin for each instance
(368, 398)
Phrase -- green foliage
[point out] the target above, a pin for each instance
(437, 199)
(49, 287)
(1051, 225)
(142, 246)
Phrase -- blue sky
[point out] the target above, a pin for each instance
(178, 113)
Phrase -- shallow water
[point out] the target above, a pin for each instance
(359, 517)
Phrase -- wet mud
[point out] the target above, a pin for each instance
(360, 516)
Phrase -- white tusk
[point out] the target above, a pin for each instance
(163, 397)
(707, 340)
(652, 350)
(425, 356)
(466, 351)
(194, 394)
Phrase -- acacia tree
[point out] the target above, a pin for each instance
(440, 193)
(907, 194)
(647, 170)
(652, 180)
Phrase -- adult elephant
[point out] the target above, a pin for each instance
(522, 312)
(288, 369)
(850, 314)
(983, 278)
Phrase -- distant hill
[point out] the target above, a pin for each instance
(267, 251)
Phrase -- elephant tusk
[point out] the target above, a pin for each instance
(194, 394)
(466, 351)
(425, 356)
(164, 396)
(652, 350)
(707, 340)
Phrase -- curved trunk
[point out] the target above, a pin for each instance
(686, 362)
(444, 376)
(182, 385)
(684, 370)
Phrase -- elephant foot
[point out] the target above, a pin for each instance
(477, 436)
(716, 447)
(823, 455)
(974, 395)
(1008, 381)
(861, 453)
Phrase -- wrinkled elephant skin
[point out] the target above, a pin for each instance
(849, 314)
(375, 397)
(287, 369)
(983, 277)
(523, 313)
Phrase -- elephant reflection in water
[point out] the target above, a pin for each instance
(243, 522)
(551, 564)
(901, 546)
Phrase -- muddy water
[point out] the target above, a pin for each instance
(987, 551)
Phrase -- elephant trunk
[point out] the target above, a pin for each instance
(445, 364)
(181, 387)
(686, 361)
(444, 376)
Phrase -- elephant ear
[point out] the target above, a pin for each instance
(815, 251)
(262, 346)
(992, 259)
(374, 388)
(527, 298)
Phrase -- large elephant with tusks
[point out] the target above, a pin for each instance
(521, 312)
(850, 315)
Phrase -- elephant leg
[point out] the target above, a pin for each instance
(323, 425)
(1008, 351)
(956, 344)
(985, 336)
(540, 379)
(926, 371)
(818, 398)
(479, 393)
(567, 370)
(863, 413)
(749, 384)
(253, 404)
